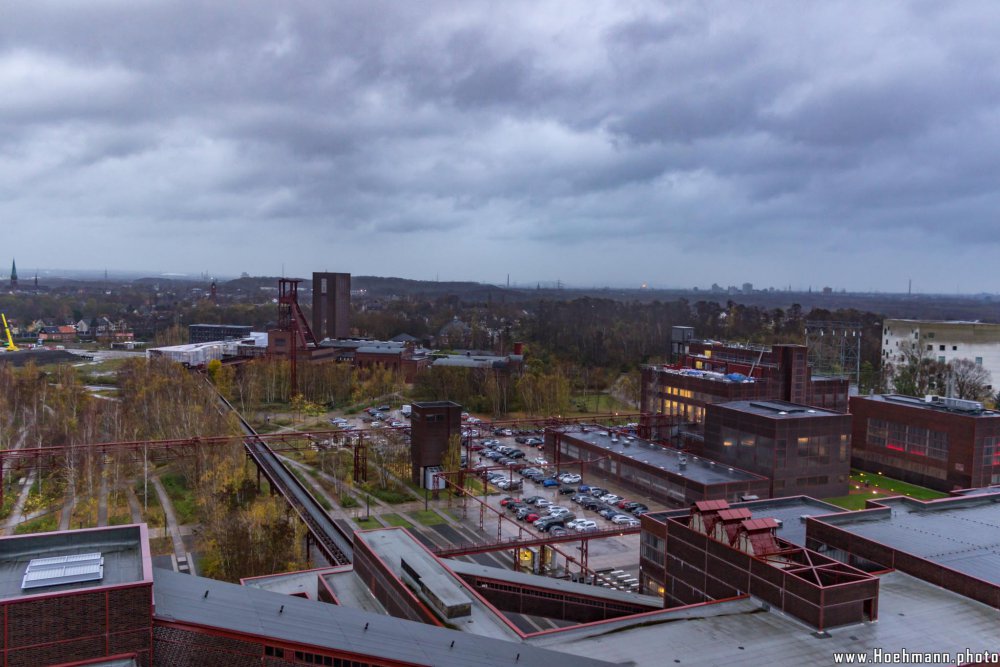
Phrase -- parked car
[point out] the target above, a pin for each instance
(579, 498)
(584, 489)
(515, 454)
(557, 530)
(507, 499)
(531, 517)
(556, 510)
(550, 482)
(597, 491)
(610, 498)
(566, 490)
(592, 504)
(584, 525)
(537, 477)
(639, 511)
(607, 512)
(624, 520)
(543, 502)
(540, 461)
(570, 478)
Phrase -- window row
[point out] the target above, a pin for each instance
(900, 437)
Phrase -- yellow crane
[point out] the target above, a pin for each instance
(10, 339)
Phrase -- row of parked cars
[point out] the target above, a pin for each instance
(556, 519)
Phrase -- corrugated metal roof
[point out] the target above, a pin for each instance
(244, 609)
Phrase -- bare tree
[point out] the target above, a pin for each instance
(969, 380)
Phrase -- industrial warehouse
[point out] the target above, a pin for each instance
(91, 597)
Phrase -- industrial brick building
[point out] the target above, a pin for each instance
(433, 426)
(401, 605)
(653, 470)
(940, 443)
(715, 552)
(712, 372)
(331, 305)
(76, 596)
(802, 450)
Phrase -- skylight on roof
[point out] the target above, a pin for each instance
(58, 570)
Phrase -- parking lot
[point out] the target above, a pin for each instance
(615, 552)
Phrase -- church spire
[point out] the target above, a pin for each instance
(13, 274)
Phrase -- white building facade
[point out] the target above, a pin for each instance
(943, 341)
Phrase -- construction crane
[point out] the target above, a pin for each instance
(10, 339)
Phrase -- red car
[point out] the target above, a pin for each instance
(622, 503)
(531, 518)
(508, 499)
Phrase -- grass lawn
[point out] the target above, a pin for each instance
(182, 498)
(396, 520)
(368, 523)
(880, 486)
(391, 496)
(427, 517)
(893, 487)
(42, 524)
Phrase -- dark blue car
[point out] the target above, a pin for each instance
(551, 482)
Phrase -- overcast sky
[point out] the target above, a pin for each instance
(851, 144)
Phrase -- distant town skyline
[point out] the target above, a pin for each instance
(780, 143)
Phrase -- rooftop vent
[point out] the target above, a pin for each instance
(59, 570)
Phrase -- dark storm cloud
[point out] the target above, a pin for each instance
(704, 138)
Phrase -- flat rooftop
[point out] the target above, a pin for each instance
(789, 511)
(936, 406)
(775, 409)
(698, 469)
(731, 378)
(394, 545)
(959, 533)
(912, 615)
(121, 547)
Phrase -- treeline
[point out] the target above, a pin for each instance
(605, 333)
(268, 381)
(536, 391)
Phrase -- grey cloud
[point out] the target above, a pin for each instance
(688, 129)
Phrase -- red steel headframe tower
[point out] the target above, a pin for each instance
(291, 319)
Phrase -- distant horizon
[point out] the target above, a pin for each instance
(26, 275)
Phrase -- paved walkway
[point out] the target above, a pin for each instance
(133, 505)
(173, 528)
(22, 498)
(67, 511)
(102, 500)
